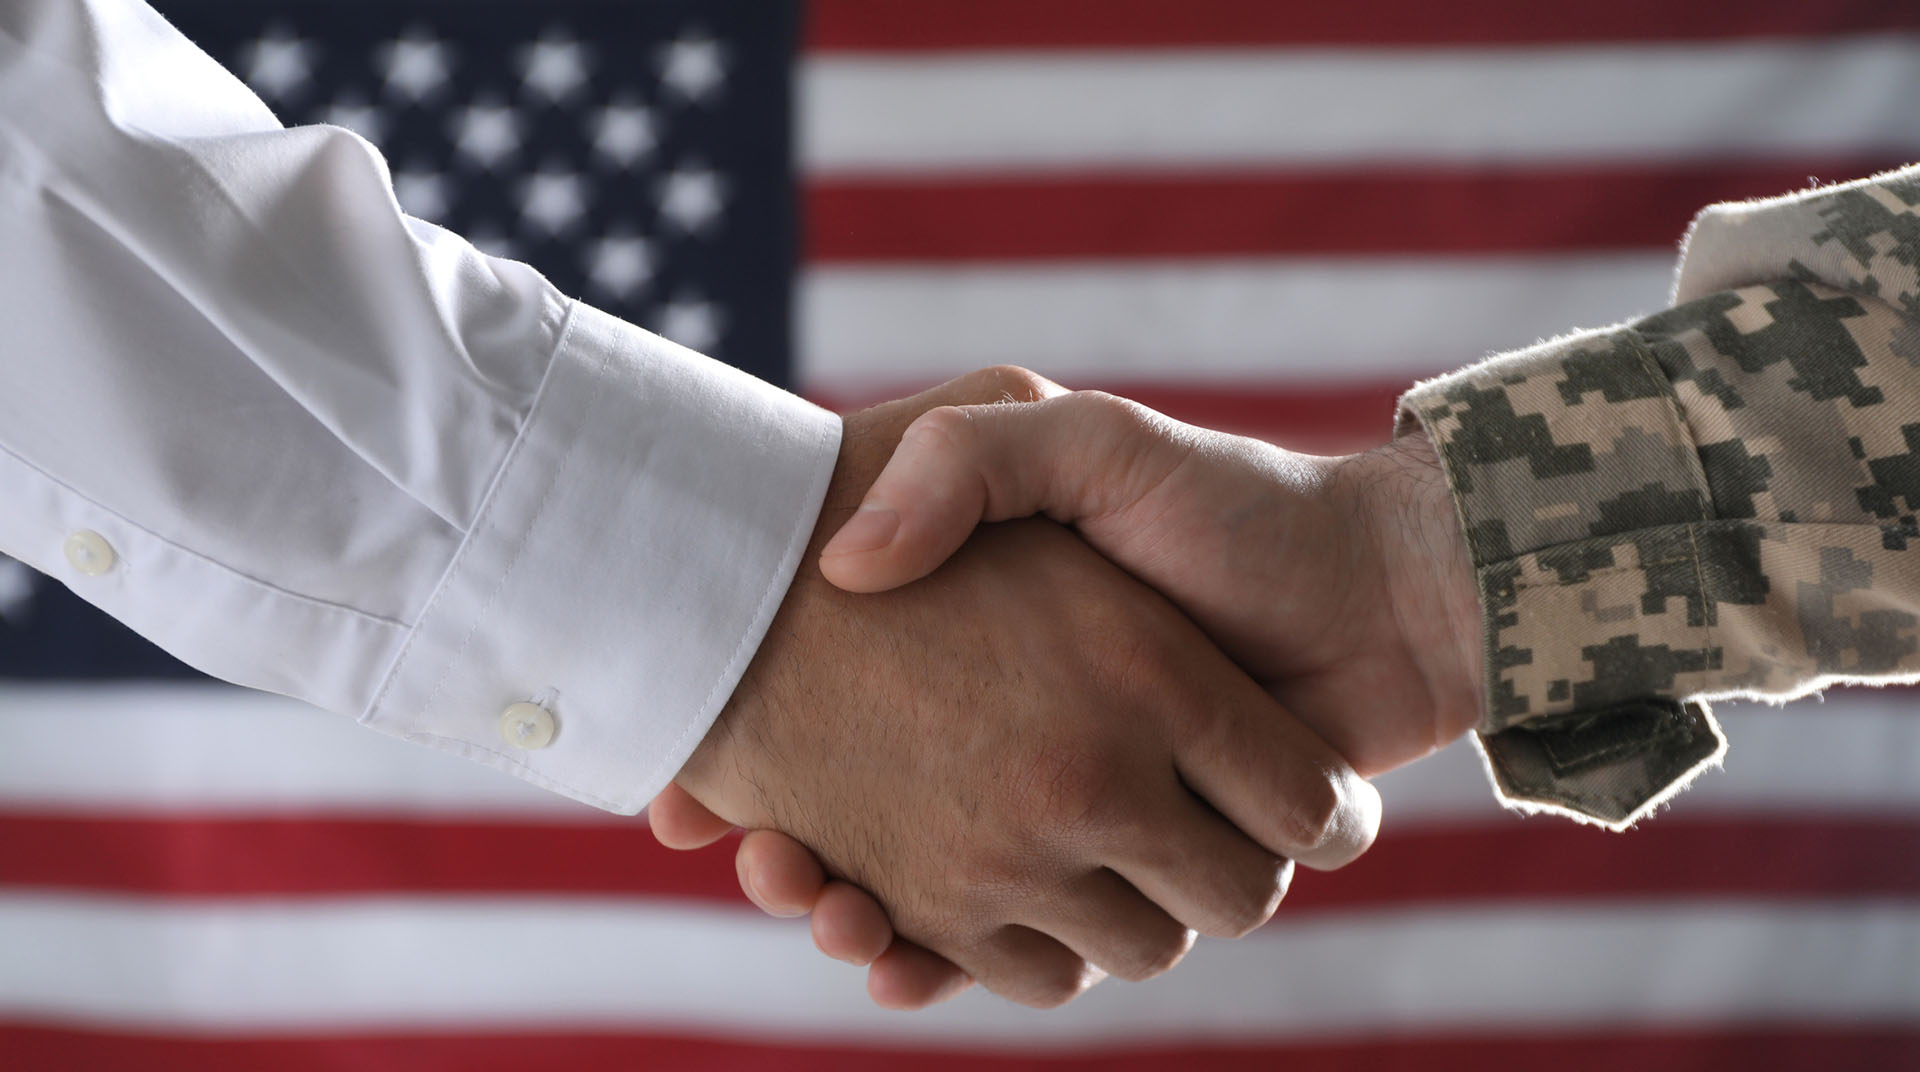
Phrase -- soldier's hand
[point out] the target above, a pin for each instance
(1342, 584)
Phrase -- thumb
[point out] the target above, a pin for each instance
(957, 466)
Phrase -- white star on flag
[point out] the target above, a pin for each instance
(692, 323)
(694, 67)
(358, 116)
(415, 66)
(620, 264)
(422, 193)
(553, 200)
(623, 132)
(277, 64)
(487, 133)
(534, 133)
(555, 67)
(691, 198)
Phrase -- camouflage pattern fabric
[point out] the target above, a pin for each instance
(1717, 500)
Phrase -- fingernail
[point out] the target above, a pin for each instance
(871, 528)
(759, 897)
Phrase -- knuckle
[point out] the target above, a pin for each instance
(1352, 822)
(1054, 988)
(1123, 413)
(1111, 404)
(1128, 440)
(944, 427)
(1313, 814)
(1250, 900)
(1011, 383)
(1154, 955)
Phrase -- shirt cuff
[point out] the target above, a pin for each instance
(622, 572)
(1585, 507)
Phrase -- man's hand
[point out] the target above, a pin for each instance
(1034, 762)
(1341, 583)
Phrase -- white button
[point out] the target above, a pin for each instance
(526, 725)
(90, 553)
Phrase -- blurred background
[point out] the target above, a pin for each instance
(1264, 216)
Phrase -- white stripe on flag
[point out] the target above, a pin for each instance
(501, 964)
(1855, 754)
(1209, 321)
(1316, 107)
(214, 750)
(100, 747)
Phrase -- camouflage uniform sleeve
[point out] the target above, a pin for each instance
(1716, 500)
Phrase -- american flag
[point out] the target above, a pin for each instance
(1269, 217)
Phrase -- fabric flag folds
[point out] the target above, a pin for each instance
(1266, 217)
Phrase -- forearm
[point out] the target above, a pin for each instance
(1715, 500)
(338, 453)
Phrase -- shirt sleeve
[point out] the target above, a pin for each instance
(1718, 500)
(309, 444)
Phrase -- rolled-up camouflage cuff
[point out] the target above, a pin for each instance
(1585, 508)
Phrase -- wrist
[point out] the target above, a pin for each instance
(718, 774)
(1430, 578)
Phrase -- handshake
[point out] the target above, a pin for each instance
(1064, 749)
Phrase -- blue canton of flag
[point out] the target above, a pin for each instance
(638, 155)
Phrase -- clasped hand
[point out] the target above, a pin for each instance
(1026, 767)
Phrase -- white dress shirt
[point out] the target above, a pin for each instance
(309, 444)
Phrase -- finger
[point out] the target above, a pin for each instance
(1002, 383)
(908, 977)
(1202, 870)
(681, 822)
(778, 873)
(849, 925)
(1069, 457)
(1112, 925)
(1024, 965)
(1275, 779)
(785, 879)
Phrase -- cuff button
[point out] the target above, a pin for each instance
(527, 726)
(89, 552)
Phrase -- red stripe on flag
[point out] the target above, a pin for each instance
(1308, 417)
(1513, 860)
(1777, 1048)
(1378, 211)
(1552, 858)
(228, 856)
(935, 25)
